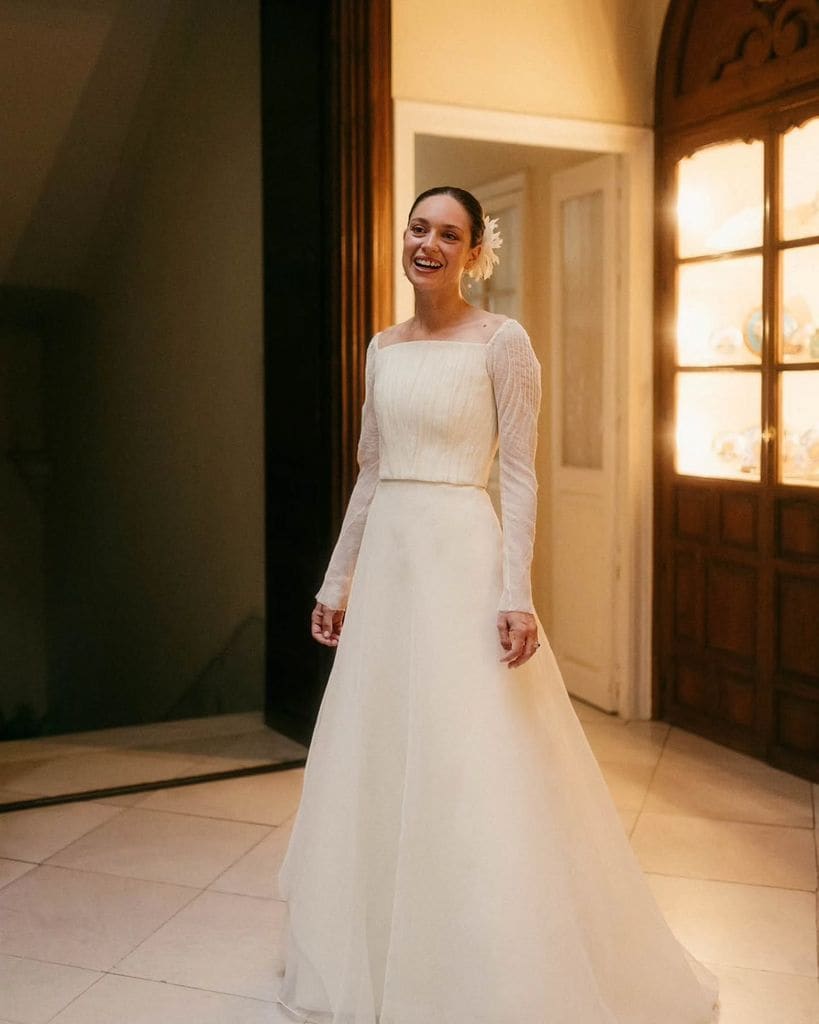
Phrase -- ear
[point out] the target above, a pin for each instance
(473, 256)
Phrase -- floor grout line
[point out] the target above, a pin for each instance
(730, 881)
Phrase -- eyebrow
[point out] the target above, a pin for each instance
(423, 220)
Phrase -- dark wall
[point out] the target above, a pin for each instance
(298, 350)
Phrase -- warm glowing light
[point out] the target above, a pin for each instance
(740, 231)
(693, 439)
(717, 425)
(719, 199)
(800, 191)
(694, 323)
(695, 209)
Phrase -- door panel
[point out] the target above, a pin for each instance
(584, 426)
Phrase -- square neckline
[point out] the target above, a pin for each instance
(442, 341)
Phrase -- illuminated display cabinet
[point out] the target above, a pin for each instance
(737, 376)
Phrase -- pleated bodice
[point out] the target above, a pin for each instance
(436, 413)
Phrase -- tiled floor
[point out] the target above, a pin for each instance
(138, 754)
(162, 908)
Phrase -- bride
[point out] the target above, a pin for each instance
(456, 857)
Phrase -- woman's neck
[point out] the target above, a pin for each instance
(436, 313)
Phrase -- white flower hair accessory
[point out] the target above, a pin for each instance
(487, 259)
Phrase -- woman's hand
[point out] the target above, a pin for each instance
(326, 623)
(518, 636)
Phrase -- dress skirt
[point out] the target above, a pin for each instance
(456, 857)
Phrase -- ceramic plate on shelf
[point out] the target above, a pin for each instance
(754, 329)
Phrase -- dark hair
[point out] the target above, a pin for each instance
(467, 201)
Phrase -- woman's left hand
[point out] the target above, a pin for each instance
(518, 636)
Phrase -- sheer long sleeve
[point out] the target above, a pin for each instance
(515, 372)
(338, 578)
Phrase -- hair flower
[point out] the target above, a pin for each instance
(487, 258)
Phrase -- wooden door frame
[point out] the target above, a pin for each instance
(327, 212)
(635, 498)
(753, 79)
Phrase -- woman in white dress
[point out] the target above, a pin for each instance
(456, 857)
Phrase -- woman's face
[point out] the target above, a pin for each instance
(437, 243)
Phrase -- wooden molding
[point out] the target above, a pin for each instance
(361, 127)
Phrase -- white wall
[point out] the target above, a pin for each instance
(588, 59)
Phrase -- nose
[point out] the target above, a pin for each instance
(430, 242)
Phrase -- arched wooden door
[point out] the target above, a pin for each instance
(737, 386)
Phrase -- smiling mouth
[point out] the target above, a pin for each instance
(425, 264)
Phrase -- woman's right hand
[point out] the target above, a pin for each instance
(326, 623)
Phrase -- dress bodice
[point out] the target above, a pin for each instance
(436, 414)
(439, 411)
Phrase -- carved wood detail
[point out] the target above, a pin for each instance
(720, 56)
(770, 31)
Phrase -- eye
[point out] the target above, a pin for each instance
(416, 229)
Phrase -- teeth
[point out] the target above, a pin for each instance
(428, 263)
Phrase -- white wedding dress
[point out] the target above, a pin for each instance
(456, 857)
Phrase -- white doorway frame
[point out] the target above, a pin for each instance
(635, 377)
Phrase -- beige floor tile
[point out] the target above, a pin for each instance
(11, 869)
(763, 997)
(588, 713)
(634, 743)
(13, 772)
(119, 1000)
(262, 745)
(40, 749)
(697, 788)
(10, 796)
(221, 942)
(629, 819)
(738, 925)
(169, 732)
(123, 799)
(628, 783)
(31, 991)
(39, 832)
(103, 768)
(256, 874)
(267, 799)
(162, 847)
(689, 746)
(82, 919)
(672, 844)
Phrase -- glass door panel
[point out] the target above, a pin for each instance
(584, 330)
(800, 294)
(720, 193)
(719, 318)
(799, 451)
(800, 193)
(718, 424)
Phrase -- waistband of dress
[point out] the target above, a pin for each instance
(418, 480)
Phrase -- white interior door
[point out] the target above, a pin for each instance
(584, 404)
